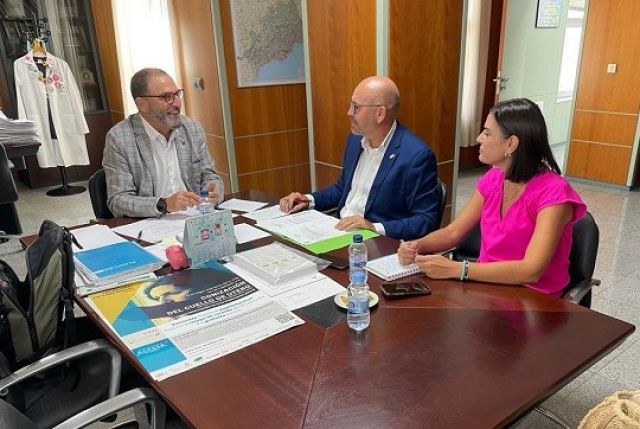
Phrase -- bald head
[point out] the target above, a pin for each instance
(381, 90)
(373, 108)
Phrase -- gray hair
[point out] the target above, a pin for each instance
(140, 80)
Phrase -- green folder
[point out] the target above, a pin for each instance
(339, 242)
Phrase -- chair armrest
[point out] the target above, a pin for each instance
(119, 403)
(576, 292)
(81, 350)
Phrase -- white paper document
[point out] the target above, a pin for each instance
(158, 250)
(266, 214)
(246, 233)
(305, 227)
(154, 230)
(241, 205)
(212, 313)
(295, 294)
(94, 236)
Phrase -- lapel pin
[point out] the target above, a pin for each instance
(392, 156)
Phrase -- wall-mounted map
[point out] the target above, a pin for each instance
(268, 43)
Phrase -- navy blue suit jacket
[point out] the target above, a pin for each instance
(403, 196)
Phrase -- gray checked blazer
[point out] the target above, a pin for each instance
(130, 170)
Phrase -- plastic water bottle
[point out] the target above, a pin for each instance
(357, 256)
(358, 315)
(204, 205)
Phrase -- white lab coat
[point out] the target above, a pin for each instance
(66, 110)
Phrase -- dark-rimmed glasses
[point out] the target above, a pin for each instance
(355, 106)
(167, 96)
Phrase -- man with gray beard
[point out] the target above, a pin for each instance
(156, 161)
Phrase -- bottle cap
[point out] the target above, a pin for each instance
(357, 277)
(357, 238)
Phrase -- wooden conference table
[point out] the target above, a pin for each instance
(469, 355)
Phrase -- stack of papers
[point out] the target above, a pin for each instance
(17, 131)
(113, 265)
(275, 263)
(314, 230)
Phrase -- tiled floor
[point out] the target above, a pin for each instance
(618, 267)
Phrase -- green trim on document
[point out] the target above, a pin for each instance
(334, 243)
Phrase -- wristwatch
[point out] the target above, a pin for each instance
(161, 205)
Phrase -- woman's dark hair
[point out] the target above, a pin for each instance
(522, 118)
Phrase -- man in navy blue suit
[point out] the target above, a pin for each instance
(389, 177)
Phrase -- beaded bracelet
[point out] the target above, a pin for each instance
(464, 272)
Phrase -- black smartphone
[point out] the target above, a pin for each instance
(397, 290)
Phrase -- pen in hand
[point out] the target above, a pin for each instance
(407, 252)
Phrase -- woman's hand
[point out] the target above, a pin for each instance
(438, 267)
(407, 252)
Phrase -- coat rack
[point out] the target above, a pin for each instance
(33, 28)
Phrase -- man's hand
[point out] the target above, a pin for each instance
(181, 200)
(354, 222)
(213, 193)
(407, 252)
(294, 202)
(438, 267)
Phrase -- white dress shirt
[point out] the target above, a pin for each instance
(165, 158)
(363, 177)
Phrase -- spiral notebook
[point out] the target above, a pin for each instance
(389, 268)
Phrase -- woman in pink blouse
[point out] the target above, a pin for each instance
(526, 209)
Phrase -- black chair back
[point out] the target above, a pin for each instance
(441, 192)
(582, 260)
(98, 194)
(9, 221)
(8, 191)
(469, 247)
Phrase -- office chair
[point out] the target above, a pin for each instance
(62, 410)
(98, 195)
(9, 221)
(441, 193)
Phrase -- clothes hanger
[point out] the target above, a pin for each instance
(37, 48)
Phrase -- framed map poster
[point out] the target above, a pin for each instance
(268, 42)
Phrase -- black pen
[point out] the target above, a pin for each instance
(139, 236)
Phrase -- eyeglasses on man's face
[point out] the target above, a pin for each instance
(168, 97)
(355, 106)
